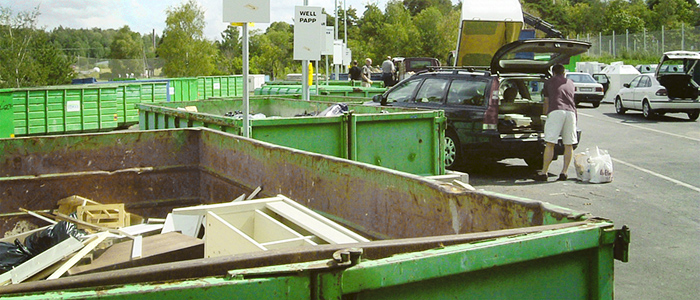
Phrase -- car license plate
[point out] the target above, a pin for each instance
(586, 89)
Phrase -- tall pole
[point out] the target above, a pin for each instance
(345, 31)
(246, 104)
(336, 67)
(305, 73)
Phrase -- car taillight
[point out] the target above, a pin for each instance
(661, 92)
(598, 89)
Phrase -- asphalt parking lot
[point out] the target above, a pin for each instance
(655, 191)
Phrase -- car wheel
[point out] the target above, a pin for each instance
(646, 110)
(693, 115)
(618, 106)
(453, 154)
(596, 104)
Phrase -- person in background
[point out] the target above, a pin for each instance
(367, 73)
(561, 113)
(354, 73)
(388, 71)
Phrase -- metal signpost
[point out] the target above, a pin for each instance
(307, 22)
(246, 11)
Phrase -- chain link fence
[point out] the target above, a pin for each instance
(114, 69)
(645, 43)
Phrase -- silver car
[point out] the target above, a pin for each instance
(586, 89)
(671, 89)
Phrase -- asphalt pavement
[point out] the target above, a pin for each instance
(655, 192)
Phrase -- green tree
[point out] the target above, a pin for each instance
(184, 49)
(272, 53)
(127, 53)
(28, 58)
(230, 59)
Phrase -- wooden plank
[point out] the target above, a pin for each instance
(227, 207)
(143, 229)
(137, 248)
(45, 259)
(91, 244)
(224, 239)
(157, 249)
(323, 219)
(310, 223)
(254, 193)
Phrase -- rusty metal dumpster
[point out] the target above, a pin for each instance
(403, 139)
(429, 239)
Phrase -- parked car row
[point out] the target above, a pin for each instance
(672, 88)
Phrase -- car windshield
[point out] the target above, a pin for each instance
(581, 78)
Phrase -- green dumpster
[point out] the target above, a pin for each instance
(404, 139)
(63, 109)
(183, 89)
(428, 240)
(219, 86)
(131, 93)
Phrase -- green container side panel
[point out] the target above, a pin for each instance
(183, 89)
(325, 136)
(406, 142)
(7, 115)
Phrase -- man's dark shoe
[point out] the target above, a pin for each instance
(562, 177)
(540, 177)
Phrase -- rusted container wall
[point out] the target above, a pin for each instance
(154, 171)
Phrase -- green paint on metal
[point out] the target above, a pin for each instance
(6, 114)
(407, 140)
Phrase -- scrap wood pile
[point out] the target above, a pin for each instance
(87, 236)
(84, 237)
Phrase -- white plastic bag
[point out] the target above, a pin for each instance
(594, 166)
(601, 166)
(581, 165)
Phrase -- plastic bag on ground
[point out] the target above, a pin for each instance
(594, 166)
(601, 166)
(581, 165)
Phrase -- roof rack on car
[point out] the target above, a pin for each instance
(457, 69)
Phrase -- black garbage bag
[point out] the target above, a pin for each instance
(41, 241)
(12, 255)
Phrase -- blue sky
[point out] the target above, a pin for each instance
(145, 15)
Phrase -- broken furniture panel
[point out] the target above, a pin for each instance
(260, 225)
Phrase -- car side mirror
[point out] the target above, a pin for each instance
(627, 85)
(377, 98)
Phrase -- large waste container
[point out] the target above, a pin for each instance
(429, 240)
(63, 109)
(129, 93)
(219, 86)
(403, 139)
(7, 127)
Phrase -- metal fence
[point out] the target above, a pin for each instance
(109, 69)
(649, 43)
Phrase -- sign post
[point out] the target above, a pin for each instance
(246, 11)
(308, 22)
